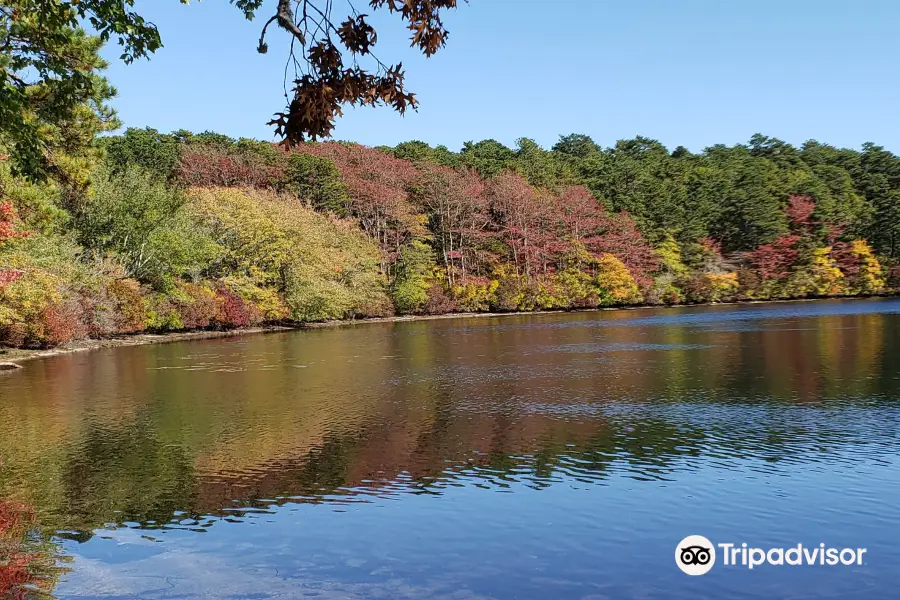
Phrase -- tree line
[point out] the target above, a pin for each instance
(159, 232)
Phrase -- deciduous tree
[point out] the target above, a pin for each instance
(459, 219)
(377, 187)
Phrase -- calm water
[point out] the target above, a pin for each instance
(544, 456)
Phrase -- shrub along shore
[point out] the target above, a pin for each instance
(12, 357)
(155, 233)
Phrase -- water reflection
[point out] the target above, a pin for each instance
(191, 436)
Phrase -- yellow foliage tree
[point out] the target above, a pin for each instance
(823, 277)
(721, 286)
(712, 287)
(476, 294)
(669, 254)
(574, 289)
(614, 282)
(325, 267)
(869, 276)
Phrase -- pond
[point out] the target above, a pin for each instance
(524, 456)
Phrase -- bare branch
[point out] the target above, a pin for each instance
(263, 47)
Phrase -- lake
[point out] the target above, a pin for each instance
(525, 456)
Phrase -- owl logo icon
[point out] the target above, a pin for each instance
(695, 555)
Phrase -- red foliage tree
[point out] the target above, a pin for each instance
(61, 323)
(799, 212)
(458, 215)
(775, 260)
(198, 308)
(9, 222)
(711, 245)
(378, 186)
(205, 166)
(846, 260)
(525, 219)
(233, 311)
(7, 276)
(583, 219)
(438, 302)
(624, 240)
(580, 213)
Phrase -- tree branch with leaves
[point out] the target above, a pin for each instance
(323, 81)
(49, 65)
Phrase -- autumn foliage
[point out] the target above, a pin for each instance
(15, 575)
(775, 260)
(812, 260)
(203, 166)
(218, 234)
(497, 244)
(800, 211)
(9, 228)
(378, 186)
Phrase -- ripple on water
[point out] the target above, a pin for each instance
(549, 454)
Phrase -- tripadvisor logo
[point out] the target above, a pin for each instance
(696, 555)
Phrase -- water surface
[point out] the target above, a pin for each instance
(536, 456)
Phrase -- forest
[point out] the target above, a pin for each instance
(147, 231)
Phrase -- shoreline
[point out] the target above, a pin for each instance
(19, 355)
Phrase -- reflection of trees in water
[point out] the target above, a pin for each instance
(28, 564)
(414, 413)
(125, 475)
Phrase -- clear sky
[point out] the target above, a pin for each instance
(685, 72)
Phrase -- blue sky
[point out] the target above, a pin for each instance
(688, 72)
